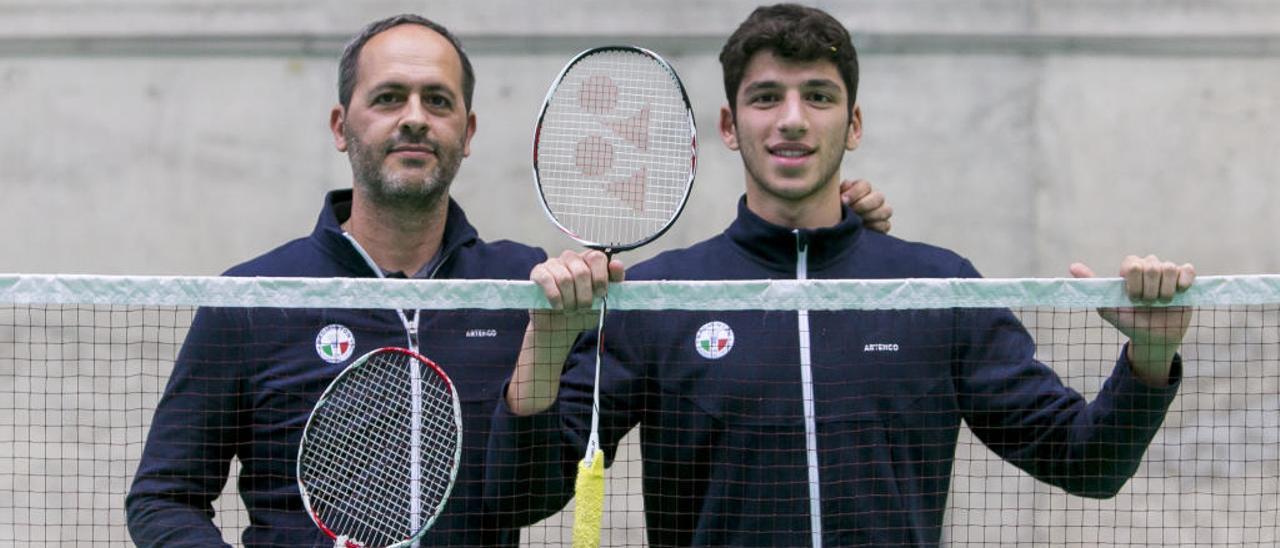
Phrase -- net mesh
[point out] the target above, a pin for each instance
(86, 361)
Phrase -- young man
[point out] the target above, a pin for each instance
(735, 453)
(246, 379)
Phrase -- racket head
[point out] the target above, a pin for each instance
(615, 148)
(354, 458)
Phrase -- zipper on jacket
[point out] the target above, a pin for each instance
(413, 331)
(415, 380)
(410, 326)
(806, 390)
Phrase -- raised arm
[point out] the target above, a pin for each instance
(1021, 409)
(1154, 332)
(571, 282)
(541, 426)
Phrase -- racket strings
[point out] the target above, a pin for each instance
(615, 149)
(357, 467)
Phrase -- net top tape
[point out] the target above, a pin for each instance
(369, 293)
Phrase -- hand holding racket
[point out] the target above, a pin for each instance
(380, 451)
(615, 151)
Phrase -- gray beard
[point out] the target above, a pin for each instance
(399, 194)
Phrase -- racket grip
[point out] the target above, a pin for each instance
(588, 510)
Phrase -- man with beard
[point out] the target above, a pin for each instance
(831, 427)
(246, 380)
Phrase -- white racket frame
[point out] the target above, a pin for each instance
(693, 150)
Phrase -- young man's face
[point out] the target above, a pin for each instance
(407, 127)
(792, 128)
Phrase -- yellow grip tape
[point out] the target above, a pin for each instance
(588, 510)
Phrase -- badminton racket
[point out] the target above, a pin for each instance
(380, 452)
(615, 151)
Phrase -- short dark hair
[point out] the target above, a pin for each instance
(793, 32)
(348, 66)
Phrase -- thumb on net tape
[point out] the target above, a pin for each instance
(588, 507)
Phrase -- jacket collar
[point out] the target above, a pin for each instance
(327, 234)
(777, 246)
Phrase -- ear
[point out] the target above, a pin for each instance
(338, 125)
(471, 132)
(728, 129)
(855, 128)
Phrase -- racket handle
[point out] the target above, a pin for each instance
(588, 510)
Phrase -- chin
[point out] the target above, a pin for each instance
(410, 190)
(793, 191)
(408, 181)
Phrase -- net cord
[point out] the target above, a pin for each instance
(373, 293)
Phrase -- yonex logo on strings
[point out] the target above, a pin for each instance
(880, 347)
(594, 156)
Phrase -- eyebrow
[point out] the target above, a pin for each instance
(825, 83)
(397, 86)
(821, 83)
(761, 85)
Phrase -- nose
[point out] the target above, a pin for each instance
(413, 121)
(792, 121)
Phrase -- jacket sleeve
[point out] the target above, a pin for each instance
(1021, 409)
(532, 460)
(192, 439)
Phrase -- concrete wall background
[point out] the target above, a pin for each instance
(181, 137)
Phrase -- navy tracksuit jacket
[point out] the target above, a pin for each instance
(723, 429)
(246, 380)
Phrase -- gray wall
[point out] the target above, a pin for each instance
(181, 137)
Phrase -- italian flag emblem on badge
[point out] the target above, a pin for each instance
(714, 340)
(335, 343)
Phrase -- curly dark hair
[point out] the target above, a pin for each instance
(793, 32)
(348, 66)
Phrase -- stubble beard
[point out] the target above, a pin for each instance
(404, 191)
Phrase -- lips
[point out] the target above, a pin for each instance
(417, 149)
(790, 153)
(421, 150)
